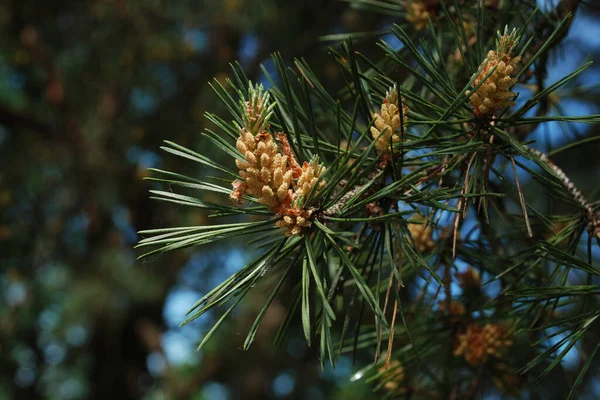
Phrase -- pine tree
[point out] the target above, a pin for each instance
(399, 212)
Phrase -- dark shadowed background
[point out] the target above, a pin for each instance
(88, 90)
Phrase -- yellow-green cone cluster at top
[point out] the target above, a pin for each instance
(494, 93)
(388, 124)
(270, 172)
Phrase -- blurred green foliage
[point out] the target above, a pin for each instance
(88, 90)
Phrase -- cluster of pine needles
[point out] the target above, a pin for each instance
(396, 212)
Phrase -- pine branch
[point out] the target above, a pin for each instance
(375, 191)
(592, 216)
(337, 207)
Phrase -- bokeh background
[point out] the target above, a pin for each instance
(88, 90)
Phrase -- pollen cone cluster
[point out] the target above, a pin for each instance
(418, 12)
(295, 220)
(392, 375)
(264, 170)
(387, 124)
(477, 344)
(456, 308)
(270, 172)
(311, 172)
(421, 234)
(469, 279)
(494, 93)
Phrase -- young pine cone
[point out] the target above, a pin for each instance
(494, 93)
(387, 124)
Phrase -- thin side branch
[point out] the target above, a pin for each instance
(593, 216)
